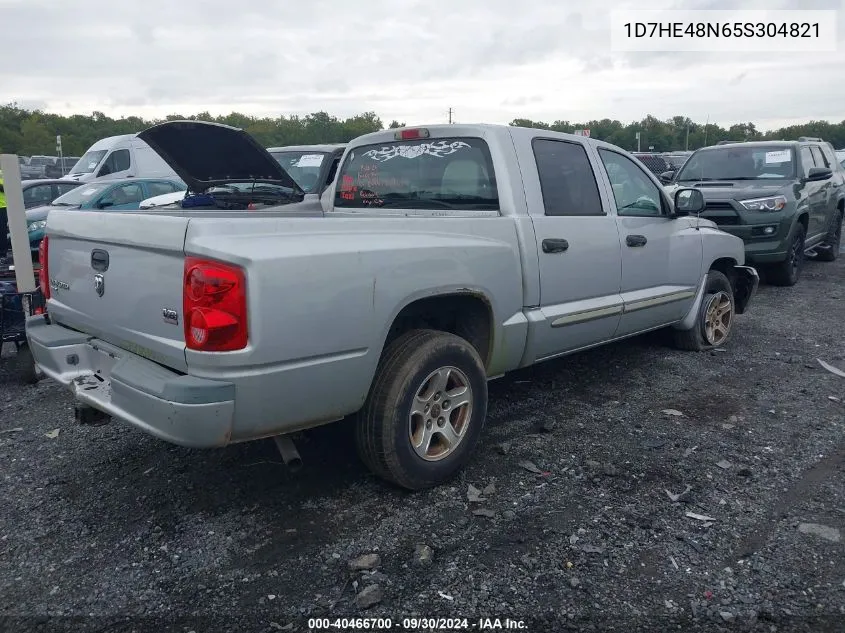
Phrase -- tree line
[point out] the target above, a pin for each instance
(32, 132)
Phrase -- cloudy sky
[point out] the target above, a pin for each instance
(411, 60)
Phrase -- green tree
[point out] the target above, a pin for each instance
(35, 139)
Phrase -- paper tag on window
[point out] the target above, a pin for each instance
(780, 156)
(88, 192)
(310, 160)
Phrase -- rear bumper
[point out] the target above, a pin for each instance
(178, 408)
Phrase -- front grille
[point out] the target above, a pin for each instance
(719, 206)
(721, 213)
(722, 220)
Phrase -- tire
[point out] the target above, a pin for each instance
(25, 365)
(717, 306)
(787, 272)
(386, 429)
(833, 239)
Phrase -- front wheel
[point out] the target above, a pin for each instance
(425, 410)
(714, 323)
(787, 272)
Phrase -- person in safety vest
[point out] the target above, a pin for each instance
(4, 221)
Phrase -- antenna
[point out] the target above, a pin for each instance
(705, 130)
(450, 116)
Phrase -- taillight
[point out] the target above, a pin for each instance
(44, 273)
(214, 305)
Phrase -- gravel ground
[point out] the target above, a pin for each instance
(124, 532)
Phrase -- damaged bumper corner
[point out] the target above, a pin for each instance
(745, 281)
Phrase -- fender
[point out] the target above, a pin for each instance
(745, 282)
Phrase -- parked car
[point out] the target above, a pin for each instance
(43, 191)
(27, 171)
(232, 173)
(655, 163)
(36, 167)
(783, 198)
(840, 156)
(449, 256)
(36, 193)
(312, 167)
(105, 195)
(60, 167)
(123, 156)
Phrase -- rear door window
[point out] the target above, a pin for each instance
(566, 178)
(442, 173)
(160, 188)
(806, 161)
(818, 157)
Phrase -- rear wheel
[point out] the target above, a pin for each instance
(425, 410)
(787, 272)
(714, 324)
(833, 241)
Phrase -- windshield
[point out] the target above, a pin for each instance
(81, 195)
(40, 161)
(88, 163)
(443, 173)
(303, 167)
(740, 163)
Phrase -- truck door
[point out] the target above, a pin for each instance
(825, 202)
(661, 256)
(117, 164)
(578, 250)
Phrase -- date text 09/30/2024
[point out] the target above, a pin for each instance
(416, 624)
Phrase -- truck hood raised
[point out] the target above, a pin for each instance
(737, 189)
(207, 154)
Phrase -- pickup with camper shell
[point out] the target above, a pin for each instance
(447, 256)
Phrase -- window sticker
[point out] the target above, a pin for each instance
(438, 149)
(310, 160)
(780, 156)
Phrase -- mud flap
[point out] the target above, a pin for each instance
(745, 282)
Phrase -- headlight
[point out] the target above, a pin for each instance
(34, 226)
(773, 203)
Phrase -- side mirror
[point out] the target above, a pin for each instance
(666, 177)
(819, 173)
(688, 201)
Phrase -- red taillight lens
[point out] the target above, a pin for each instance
(44, 273)
(411, 135)
(214, 306)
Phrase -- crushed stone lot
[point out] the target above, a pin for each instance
(632, 487)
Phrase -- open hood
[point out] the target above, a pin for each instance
(207, 154)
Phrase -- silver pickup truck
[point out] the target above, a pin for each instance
(447, 256)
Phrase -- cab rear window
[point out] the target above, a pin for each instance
(441, 173)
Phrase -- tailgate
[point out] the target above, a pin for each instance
(115, 276)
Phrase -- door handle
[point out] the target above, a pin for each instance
(636, 240)
(100, 260)
(555, 245)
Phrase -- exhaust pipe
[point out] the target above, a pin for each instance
(287, 449)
